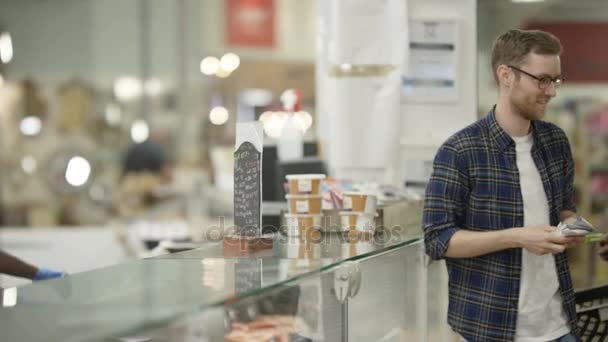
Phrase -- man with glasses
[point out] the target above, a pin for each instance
(498, 189)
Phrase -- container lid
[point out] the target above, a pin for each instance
(303, 196)
(305, 176)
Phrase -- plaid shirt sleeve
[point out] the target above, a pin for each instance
(444, 200)
(568, 198)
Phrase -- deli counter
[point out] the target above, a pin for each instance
(333, 288)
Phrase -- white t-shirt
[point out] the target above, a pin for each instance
(540, 312)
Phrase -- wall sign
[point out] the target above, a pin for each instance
(250, 23)
(431, 63)
(584, 56)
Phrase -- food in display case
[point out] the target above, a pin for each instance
(277, 328)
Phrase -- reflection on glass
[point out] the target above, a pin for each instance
(6, 47)
(9, 297)
(213, 273)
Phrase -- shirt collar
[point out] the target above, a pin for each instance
(498, 135)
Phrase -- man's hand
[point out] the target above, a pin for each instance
(542, 239)
(603, 250)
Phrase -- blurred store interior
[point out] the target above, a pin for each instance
(83, 82)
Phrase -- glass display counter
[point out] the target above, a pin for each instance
(331, 289)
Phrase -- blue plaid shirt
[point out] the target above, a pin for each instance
(475, 186)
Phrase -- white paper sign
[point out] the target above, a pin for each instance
(348, 203)
(430, 72)
(302, 207)
(305, 185)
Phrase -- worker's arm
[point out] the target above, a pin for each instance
(16, 267)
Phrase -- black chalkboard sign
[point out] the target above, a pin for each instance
(247, 190)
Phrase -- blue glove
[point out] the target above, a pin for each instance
(45, 273)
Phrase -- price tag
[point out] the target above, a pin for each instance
(305, 186)
(348, 203)
(302, 207)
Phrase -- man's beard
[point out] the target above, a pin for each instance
(529, 112)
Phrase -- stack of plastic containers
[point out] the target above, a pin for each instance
(304, 201)
(358, 214)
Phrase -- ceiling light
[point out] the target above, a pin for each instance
(210, 65)
(30, 125)
(304, 120)
(78, 171)
(139, 131)
(127, 88)
(218, 115)
(221, 73)
(273, 125)
(230, 62)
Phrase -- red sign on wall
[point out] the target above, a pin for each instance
(585, 53)
(250, 23)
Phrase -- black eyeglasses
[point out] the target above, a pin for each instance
(543, 82)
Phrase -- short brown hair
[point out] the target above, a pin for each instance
(511, 47)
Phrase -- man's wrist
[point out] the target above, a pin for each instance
(511, 238)
(564, 214)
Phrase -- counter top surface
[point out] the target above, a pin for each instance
(108, 302)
